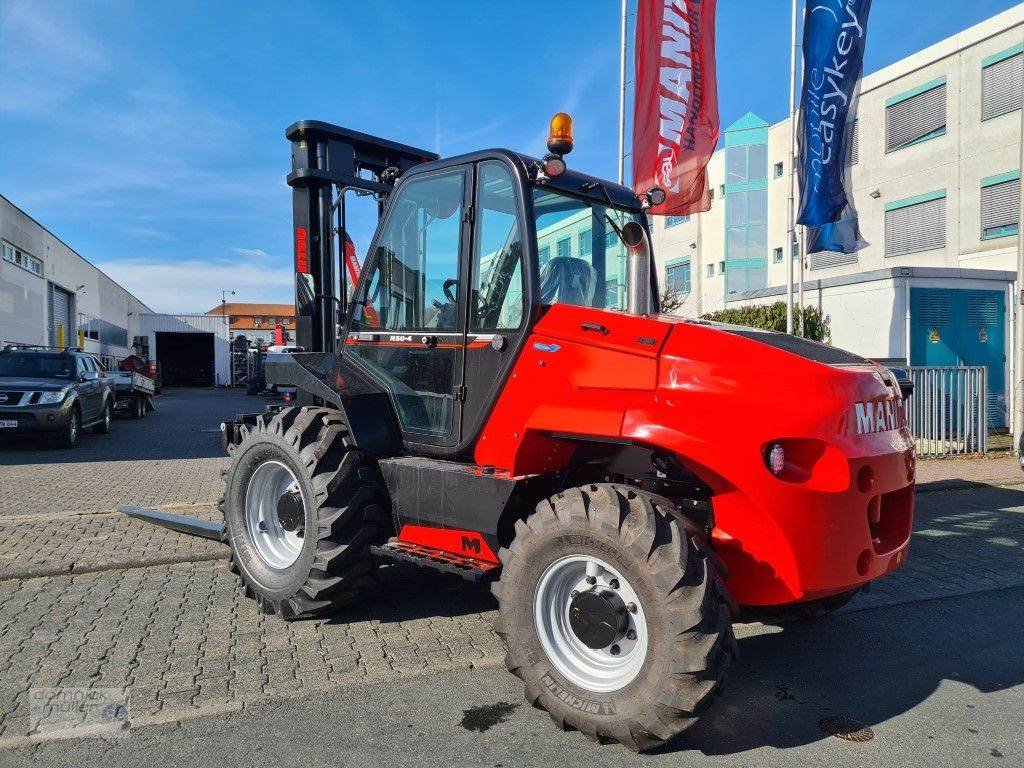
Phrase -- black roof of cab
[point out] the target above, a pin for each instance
(571, 181)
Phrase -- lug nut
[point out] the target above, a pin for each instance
(631, 634)
(631, 607)
(614, 583)
(262, 526)
(591, 580)
(575, 594)
(614, 650)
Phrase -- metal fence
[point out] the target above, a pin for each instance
(948, 412)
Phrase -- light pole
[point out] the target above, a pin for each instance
(224, 305)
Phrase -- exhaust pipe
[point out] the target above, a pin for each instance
(638, 253)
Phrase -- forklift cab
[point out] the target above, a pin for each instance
(482, 222)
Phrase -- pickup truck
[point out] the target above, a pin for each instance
(53, 393)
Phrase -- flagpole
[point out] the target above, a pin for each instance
(791, 224)
(622, 94)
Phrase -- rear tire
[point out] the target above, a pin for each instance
(683, 623)
(340, 503)
(106, 423)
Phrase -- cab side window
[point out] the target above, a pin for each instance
(414, 284)
(497, 270)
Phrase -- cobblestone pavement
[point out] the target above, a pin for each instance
(173, 456)
(124, 604)
(186, 642)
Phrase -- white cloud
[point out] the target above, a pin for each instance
(146, 233)
(195, 285)
(257, 253)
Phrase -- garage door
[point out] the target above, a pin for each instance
(61, 330)
(186, 359)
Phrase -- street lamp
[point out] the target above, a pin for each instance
(224, 305)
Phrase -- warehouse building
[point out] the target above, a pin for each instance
(936, 184)
(52, 296)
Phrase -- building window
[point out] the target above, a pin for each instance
(796, 251)
(671, 221)
(563, 248)
(584, 243)
(721, 267)
(721, 190)
(1001, 77)
(258, 320)
(777, 256)
(21, 259)
(853, 153)
(545, 254)
(711, 269)
(677, 277)
(711, 193)
(916, 224)
(1000, 205)
(916, 116)
(778, 170)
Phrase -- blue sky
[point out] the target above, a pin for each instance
(149, 135)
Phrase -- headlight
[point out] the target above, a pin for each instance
(48, 398)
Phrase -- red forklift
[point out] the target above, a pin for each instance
(498, 397)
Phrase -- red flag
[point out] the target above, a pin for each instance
(675, 114)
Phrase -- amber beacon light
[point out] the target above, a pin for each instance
(560, 135)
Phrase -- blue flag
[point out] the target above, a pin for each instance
(835, 32)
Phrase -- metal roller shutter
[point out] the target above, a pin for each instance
(854, 151)
(1000, 205)
(1001, 86)
(916, 117)
(918, 227)
(60, 315)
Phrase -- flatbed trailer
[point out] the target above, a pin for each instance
(133, 393)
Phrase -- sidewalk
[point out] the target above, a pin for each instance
(967, 472)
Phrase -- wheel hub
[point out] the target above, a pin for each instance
(590, 623)
(598, 617)
(275, 514)
(290, 513)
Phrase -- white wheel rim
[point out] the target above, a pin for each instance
(277, 547)
(598, 670)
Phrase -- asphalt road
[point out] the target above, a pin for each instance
(939, 682)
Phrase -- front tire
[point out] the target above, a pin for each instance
(302, 506)
(72, 430)
(638, 654)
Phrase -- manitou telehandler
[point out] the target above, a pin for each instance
(498, 397)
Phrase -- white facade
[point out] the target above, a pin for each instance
(35, 267)
(970, 152)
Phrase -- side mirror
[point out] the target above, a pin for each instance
(90, 376)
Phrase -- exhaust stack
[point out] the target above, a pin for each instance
(638, 252)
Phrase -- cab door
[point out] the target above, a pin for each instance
(408, 323)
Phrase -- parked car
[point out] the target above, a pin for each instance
(53, 393)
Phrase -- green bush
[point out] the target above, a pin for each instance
(772, 317)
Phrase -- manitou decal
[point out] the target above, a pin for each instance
(881, 416)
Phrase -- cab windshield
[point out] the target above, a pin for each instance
(582, 256)
(32, 365)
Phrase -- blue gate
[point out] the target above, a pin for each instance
(954, 327)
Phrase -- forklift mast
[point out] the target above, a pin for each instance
(327, 158)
